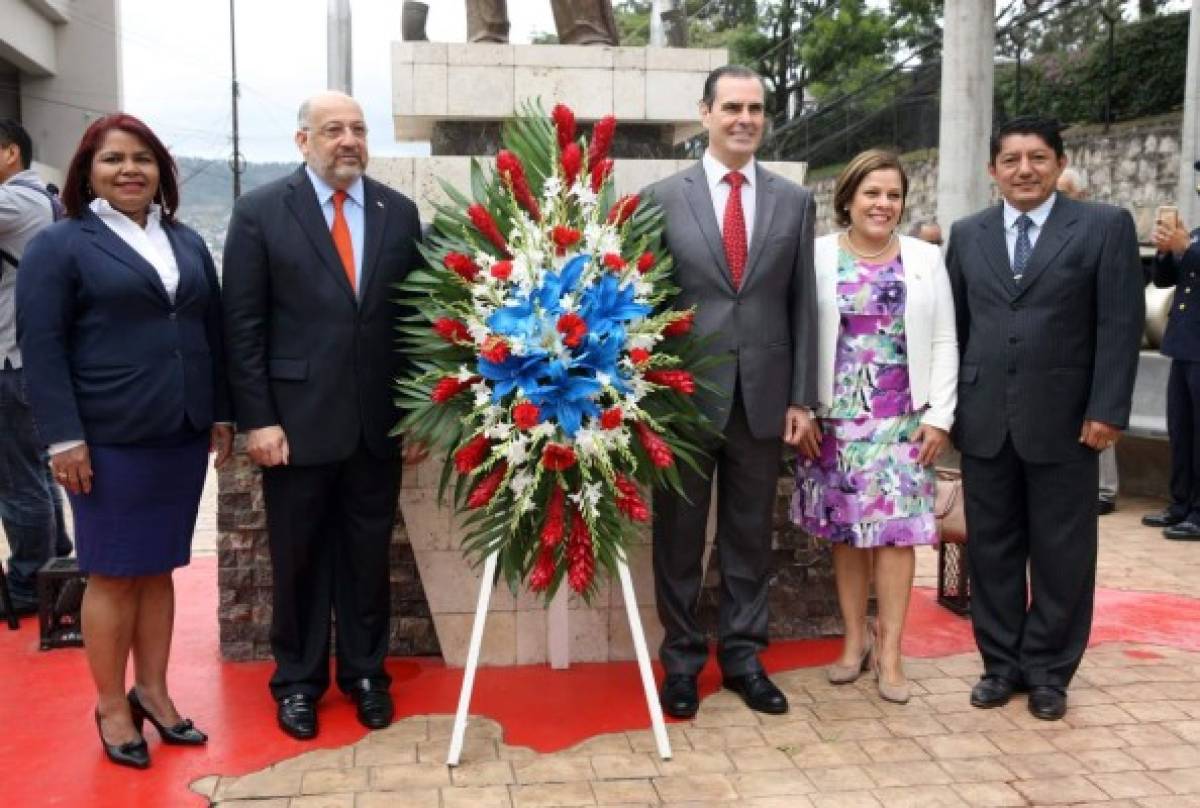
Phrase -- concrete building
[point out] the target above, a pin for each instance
(60, 69)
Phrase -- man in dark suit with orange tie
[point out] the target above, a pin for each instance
(310, 262)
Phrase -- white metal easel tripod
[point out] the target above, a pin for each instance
(635, 631)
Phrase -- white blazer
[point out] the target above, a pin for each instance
(928, 323)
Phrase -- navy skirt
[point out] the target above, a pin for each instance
(141, 513)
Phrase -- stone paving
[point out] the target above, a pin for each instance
(1131, 737)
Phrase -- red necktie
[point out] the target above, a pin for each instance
(734, 231)
(341, 236)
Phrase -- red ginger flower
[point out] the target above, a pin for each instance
(526, 415)
(452, 331)
(543, 571)
(486, 225)
(678, 380)
(655, 446)
(602, 137)
(573, 328)
(486, 488)
(449, 387)
(629, 500)
(462, 266)
(565, 237)
(680, 325)
(572, 163)
(564, 124)
(581, 556)
(611, 418)
(600, 172)
(645, 262)
(513, 174)
(553, 526)
(622, 209)
(501, 270)
(614, 262)
(639, 356)
(495, 349)
(558, 457)
(468, 456)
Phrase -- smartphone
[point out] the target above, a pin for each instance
(1167, 214)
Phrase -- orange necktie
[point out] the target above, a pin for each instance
(341, 236)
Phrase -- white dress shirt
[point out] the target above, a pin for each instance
(714, 172)
(1038, 215)
(150, 242)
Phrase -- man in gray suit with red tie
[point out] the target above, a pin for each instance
(742, 242)
(1049, 303)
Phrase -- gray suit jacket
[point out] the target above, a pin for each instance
(768, 327)
(1040, 357)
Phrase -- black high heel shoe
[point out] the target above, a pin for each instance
(134, 754)
(182, 734)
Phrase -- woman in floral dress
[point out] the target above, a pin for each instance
(887, 378)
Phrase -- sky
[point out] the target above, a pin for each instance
(177, 67)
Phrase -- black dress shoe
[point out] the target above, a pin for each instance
(992, 691)
(374, 704)
(1105, 506)
(297, 716)
(759, 693)
(20, 609)
(1183, 531)
(182, 734)
(134, 754)
(1164, 518)
(1047, 703)
(679, 696)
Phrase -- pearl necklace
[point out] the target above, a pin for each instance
(859, 253)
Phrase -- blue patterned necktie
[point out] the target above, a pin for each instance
(1024, 248)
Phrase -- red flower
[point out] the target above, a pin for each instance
(486, 488)
(602, 137)
(565, 237)
(572, 163)
(462, 266)
(468, 456)
(622, 209)
(645, 262)
(680, 325)
(558, 457)
(552, 528)
(501, 270)
(611, 418)
(657, 448)
(600, 172)
(452, 331)
(678, 380)
(449, 387)
(564, 124)
(526, 415)
(543, 571)
(639, 356)
(513, 174)
(486, 225)
(573, 328)
(629, 500)
(495, 349)
(614, 262)
(581, 556)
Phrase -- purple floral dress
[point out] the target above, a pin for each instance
(867, 488)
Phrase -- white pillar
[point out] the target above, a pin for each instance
(1189, 147)
(338, 54)
(968, 51)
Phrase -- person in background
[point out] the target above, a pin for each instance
(119, 322)
(928, 231)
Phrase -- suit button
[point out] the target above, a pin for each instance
(1187, 291)
(1182, 306)
(1012, 340)
(1012, 371)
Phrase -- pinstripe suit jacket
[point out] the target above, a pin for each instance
(1041, 356)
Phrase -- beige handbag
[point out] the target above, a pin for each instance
(948, 507)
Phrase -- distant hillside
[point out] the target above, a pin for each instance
(209, 183)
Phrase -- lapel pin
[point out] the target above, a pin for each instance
(379, 202)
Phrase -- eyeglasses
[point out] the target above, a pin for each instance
(334, 131)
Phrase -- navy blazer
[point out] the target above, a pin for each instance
(1182, 339)
(109, 358)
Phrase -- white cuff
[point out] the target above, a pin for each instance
(65, 445)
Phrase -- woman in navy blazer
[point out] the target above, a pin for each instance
(119, 323)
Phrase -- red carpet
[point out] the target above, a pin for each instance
(52, 757)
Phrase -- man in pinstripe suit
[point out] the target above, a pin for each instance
(1050, 314)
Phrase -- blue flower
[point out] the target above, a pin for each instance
(564, 397)
(608, 305)
(515, 372)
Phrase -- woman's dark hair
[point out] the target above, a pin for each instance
(77, 190)
(855, 172)
(13, 134)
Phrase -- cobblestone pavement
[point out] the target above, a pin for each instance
(1131, 737)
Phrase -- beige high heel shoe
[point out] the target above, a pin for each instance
(895, 693)
(845, 674)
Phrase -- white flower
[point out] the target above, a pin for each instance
(644, 341)
(517, 450)
(587, 499)
(544, 430)
(551, 188)
(484, 260)
(567, 301)
(516, 346)
(609, 242)
(584, 194)
(499, 431)
(643, 288)
(604, 379)
(483, 393)
(464, 373)
(589, 442)
(479, 332)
